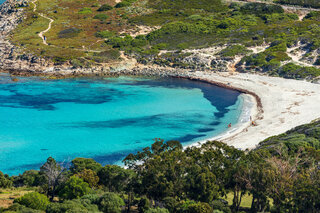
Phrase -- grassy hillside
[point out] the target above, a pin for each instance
(88, 32)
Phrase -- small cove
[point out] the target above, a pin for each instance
(105, 118)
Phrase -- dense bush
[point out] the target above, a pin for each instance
(79, 164)
(85, 10)
(34, 200)
(101, 17)
(5, 182)
(104, 34)
(69, 33)
(298, 72)
(261, 8)
(105, 7)
(28, 178)
(207, 5)
(123, 4)
(75, 187)
(111, 203)
(157, 210)
(72, 206)
(89, 177)
(304, 3)
(314, 15)
(21, 209)
(234, 50)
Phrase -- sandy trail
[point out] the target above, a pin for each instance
(44, 41)
(49, 27)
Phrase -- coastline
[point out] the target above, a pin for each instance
(278, 104)
(249, 111)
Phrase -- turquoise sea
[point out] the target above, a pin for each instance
(105, 118)
(1, 1)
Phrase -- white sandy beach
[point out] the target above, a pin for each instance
(285, 103)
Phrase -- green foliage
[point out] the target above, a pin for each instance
(101, 17)
(33, 200)
(5, 182)
(111, 203)
(105, 34)
(157, 210)
(234, 50)
(85, 11)
(207, 5)
(275, 18)
(79, 164)
(89, 177)
(75, 187)
(21, 209)
(105, 56)
(105, 7)
(270, 59)
(294, 71)
(314, 15)
(220, 206)
(300, 137)
(72, 206)
(261, 8)
(143, 205)
(123, 4)
(304, 3)
(113, 177)
(28, 178)
(69, 33)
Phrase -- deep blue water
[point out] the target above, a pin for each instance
(1, 1)
(105, 119)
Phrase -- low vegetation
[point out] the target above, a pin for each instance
(77, 31)
(304, 3)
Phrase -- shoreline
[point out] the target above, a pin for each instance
(279, 104)
(249, 110)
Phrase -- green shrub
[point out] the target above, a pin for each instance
(304, 3)
(206, 5)
(144, 204)
(28, 178)
(69, 33)
(123, 4)
(5, 182)
(234, 50)
(72, 206)
(261, 8)
(101, 17)
(16, 207)
(111, 203)
(85, 10)
(79, 164)
(75, 187)
(105, 7)
(157, 210)
(33, 200)
(291, 70)
(220, 206)
(105, 34)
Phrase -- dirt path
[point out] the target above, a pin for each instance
(44, 40)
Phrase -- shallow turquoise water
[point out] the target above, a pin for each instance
(105, 119)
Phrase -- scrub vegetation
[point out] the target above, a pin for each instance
(280, 175)
(103, 25)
